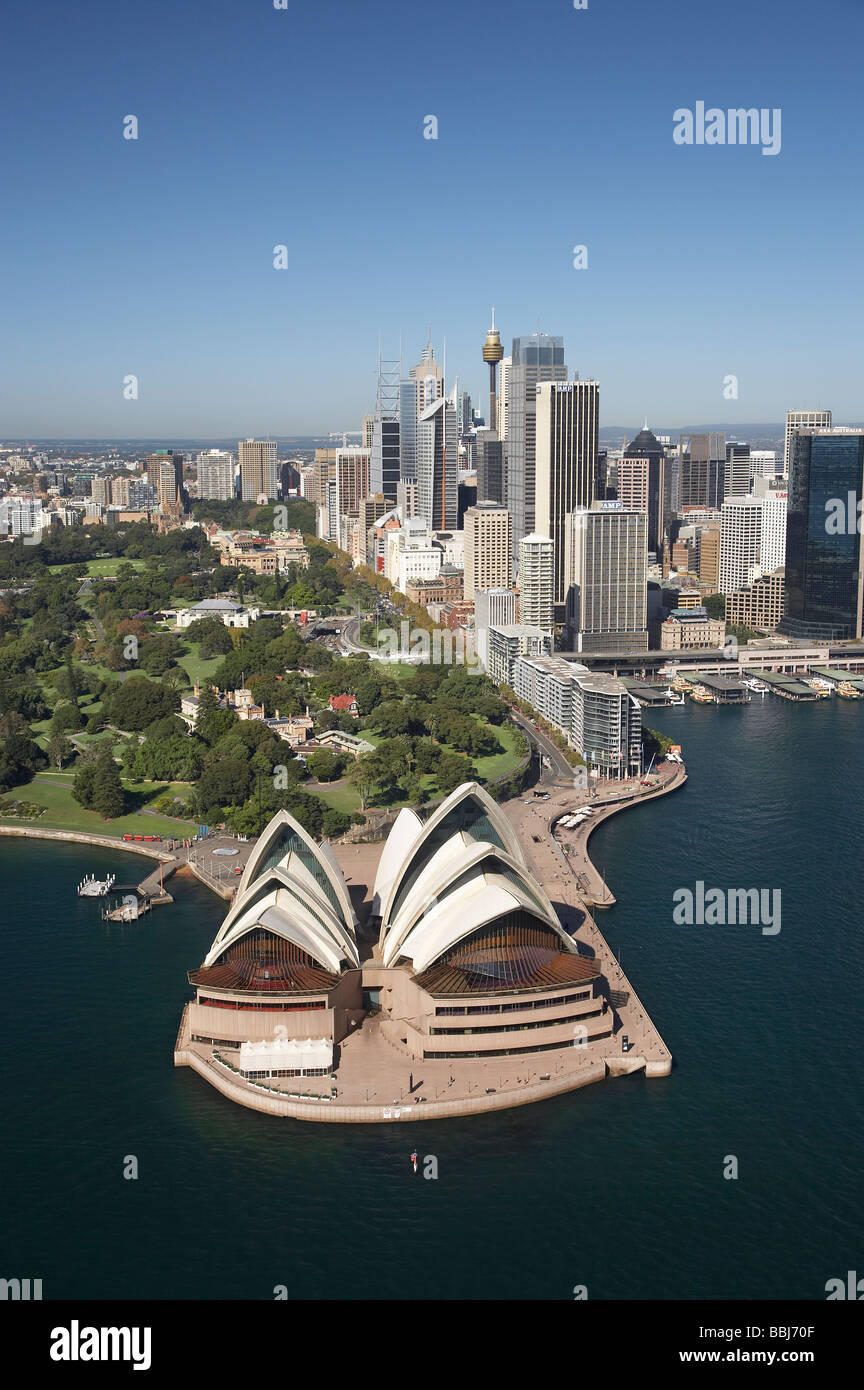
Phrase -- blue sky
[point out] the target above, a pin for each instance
(304, 127)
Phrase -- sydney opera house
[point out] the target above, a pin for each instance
(461, 956)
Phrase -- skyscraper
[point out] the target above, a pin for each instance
(491, 476)
(428, 379)
(740, 539)
(503, 392)
(386, 462)
(802, 420)
(487, 548)
(633, 485)
(566, 422)
(536, 582)
(407, 429)
(257, 469)
(646, 445)
(216, 475)
(824, 548)
(607, 594)
(737, 479)
(709, 557)
(100, 491)
(701, 470)
(352, 479)
(438, 466)
(772, 542)
(165, 472)
(763, 463)
(535, 358)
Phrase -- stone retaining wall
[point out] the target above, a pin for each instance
(333, 1113)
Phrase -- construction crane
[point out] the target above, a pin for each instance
(344, 435)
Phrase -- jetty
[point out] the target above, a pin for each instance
(788, 688)
(93, 887)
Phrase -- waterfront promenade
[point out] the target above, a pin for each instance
(217, 874)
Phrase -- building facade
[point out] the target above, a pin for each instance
(487, 548)
(606, 574)
(535, 358)
(438, 466)
(824, 561)
(802, 420)
(506, 643)
(567, 415)
(258, 475)
(216, 475)
(537, 582)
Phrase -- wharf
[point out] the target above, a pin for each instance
(788, 688)
(725, 690)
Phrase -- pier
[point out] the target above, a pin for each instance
(788, 688)
(724, 689)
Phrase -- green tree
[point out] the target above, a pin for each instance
(82, 784)
(107, 795)
(60, 750)
(325, 766)
(364, 777)
(66, 715)
(139, 702)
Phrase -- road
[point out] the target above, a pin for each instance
(559, 769)
(348, 640)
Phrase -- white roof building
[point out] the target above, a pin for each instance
(293, 888)
(441, 881)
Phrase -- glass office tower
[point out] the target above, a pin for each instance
(823, 542)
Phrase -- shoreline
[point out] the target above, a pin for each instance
(583, 834)
(150, 885)
(648, 1055)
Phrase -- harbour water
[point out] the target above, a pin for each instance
(618, 1187)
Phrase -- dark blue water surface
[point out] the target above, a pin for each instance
(619, 1187)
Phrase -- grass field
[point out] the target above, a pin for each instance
(197, 669)
(53, 790)
(339, 796)
(108, 565)
(500, 764)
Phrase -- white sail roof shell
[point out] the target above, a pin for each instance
(403, 833)
(322, 853)
(279, 911)
(300, 888)
(483, 899)
(456, 858)
(468, 791)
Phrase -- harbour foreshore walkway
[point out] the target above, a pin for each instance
(532, 817)
(170, 860)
